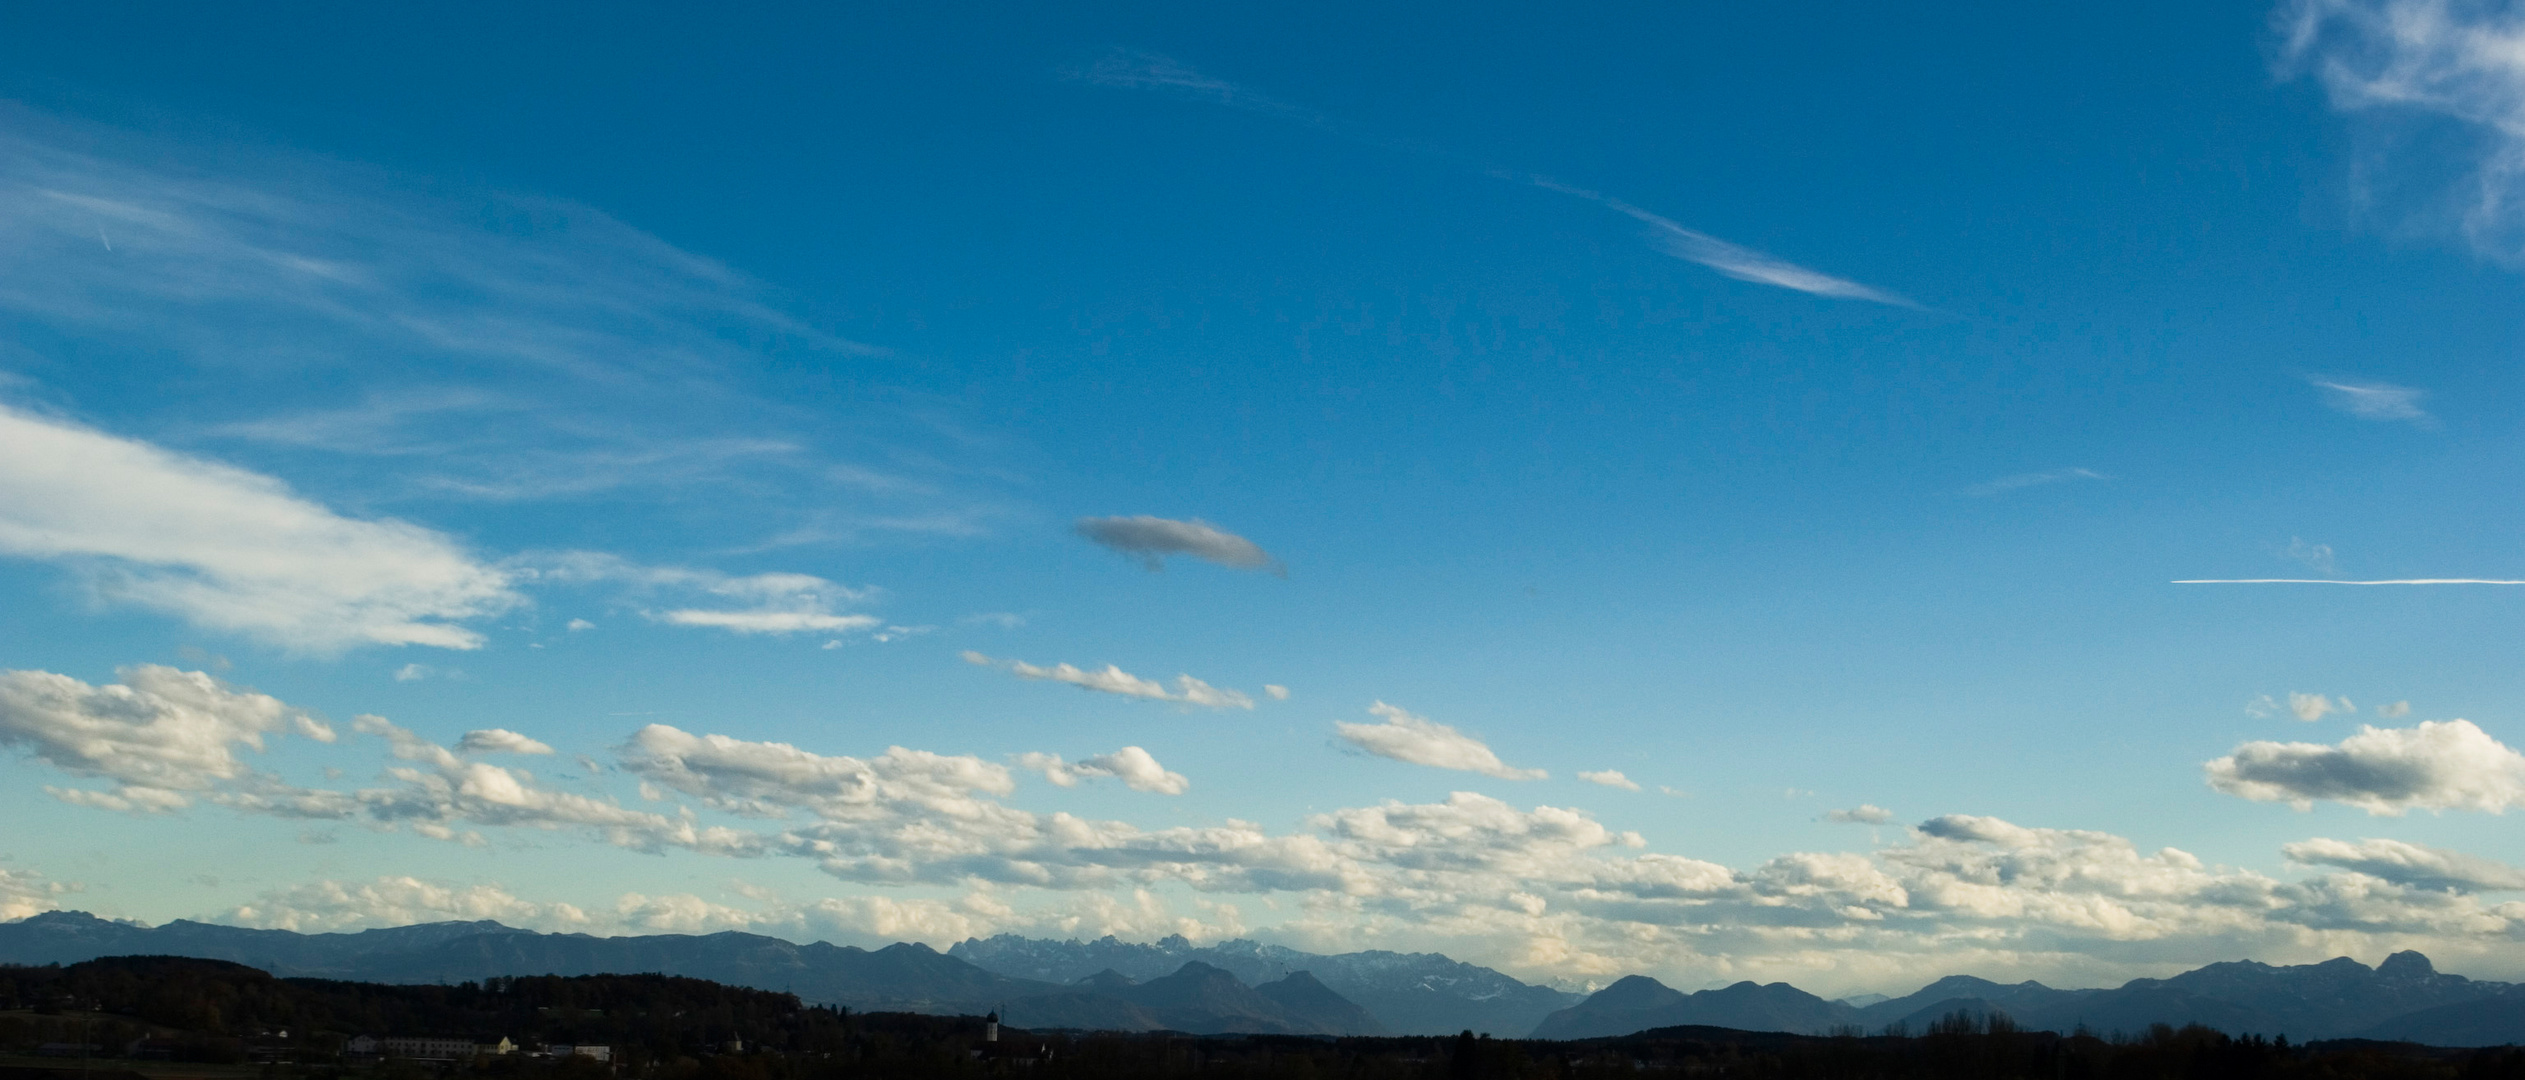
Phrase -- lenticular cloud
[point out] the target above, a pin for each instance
(1151, 539)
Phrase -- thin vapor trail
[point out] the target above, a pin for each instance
(2336, 581)
(1125, 69)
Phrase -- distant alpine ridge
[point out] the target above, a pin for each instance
(1249, 987)
(2404, 998)
(1275, 995)
(1408, 993)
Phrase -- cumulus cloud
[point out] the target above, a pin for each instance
(1114, 680)
(437, 790)
(1275, 692)
(25, 892)
(328, 906)
(2439, 765)
(229, 549)
(2408, 864)
(2313, 707)
(1132, 765)
(1611, 778)
(1862, 814)
(2375, 401)
(1151, 539)
(2399, 60)
(499, 741)
(1422, 741)
(162, 737)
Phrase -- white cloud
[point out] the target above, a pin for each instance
(769, 622)
(2021, 481)
(328, 906)
(2313, 707)
(499, 741)
(2431, 60)
(1132, 765)
(2317, 557)
(439, 790)
(2408, 864)
(2337, 581)
(2375, 401)
(2439, 765)
(164, 737)
(229, 549)
(1151, 539)
(1276, 693)
(1422, 741)
(414, 672)
(25, 892)
(765, 779)
(577, 625)
(1114, 680)
(770, 603)
(1862, 814)
(2395, 711)
(1733, 260)
(1128, 69)
(454, 342)
(1611, 778)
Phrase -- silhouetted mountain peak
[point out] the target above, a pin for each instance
(2407, 965)
(1636, 992)
(1108, 981)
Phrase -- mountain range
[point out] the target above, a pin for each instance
(1409, 993)
(1188, 996)
(2405, 999)
(1246, 986)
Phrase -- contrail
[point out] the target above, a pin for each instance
(2336, 581)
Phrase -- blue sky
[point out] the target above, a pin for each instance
(1795, 417)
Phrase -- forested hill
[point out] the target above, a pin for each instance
(664, 1015)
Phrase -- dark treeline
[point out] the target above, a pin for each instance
(668, 1028)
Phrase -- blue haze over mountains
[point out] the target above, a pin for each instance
(1246, 986)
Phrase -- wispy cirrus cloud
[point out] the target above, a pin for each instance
(1131, 70)
(2395, 61)
(389, 345)
(1113, 680)
(1732, 260)
(2338, 581)
(2021, 481)
(2375, 401)
(230, 549)
(775, 603)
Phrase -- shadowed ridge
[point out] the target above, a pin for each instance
(1308, 1002)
